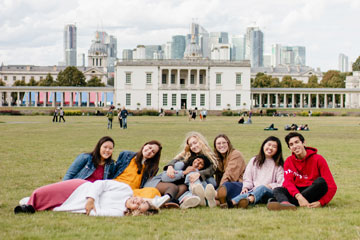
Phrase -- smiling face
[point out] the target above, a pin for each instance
(137, 203)
(221, 145)
(150, 150)
(106, 150)
(194, 145)
(198, 163)
(297, 147)
(270, 148)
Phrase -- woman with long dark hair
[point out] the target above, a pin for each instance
(136, 168)
(230, 170)
(263, 173)
(95, 165)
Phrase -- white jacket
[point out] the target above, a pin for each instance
(110, 197)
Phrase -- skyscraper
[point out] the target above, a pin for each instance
(275, 55)
(288, 55)
(254, 46)
(238, 47)
(343, 63)
(70, 45)
(178, 47)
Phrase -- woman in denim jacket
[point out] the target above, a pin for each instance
(136, 168)
(96, 165)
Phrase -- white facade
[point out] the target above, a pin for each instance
(353, 99)
(182, 84)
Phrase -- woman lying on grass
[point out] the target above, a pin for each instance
(263, 173)
(96, 165)
(100, 198)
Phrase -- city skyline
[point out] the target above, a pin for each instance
(32, 28)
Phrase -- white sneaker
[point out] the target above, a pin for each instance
(198, 190)
(160, 201)
(190, 202)
(24, 201)
(210, 194)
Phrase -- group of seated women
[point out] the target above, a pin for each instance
(197, 176)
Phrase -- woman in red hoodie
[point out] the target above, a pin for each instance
(308, 181)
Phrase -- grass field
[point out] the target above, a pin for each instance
(34, 152)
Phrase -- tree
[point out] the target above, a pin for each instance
(2, 83)
(95, 82)
(48, 81)
(110, 81)
(333, 79)
(32, 82)
(313, 82)
(356, 65)
(289, 82)
(265, 81)
(71, 76)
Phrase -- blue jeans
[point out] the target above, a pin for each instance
(110, 123)
(233, 189)
(124, 122)
(188, 193)
(261, 195)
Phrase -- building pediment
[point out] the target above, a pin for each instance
(94, 71)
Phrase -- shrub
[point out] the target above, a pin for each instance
(326, 114)
(10, 112)
(316, 114)
(270, 112)
(169, 113)
(227, 113)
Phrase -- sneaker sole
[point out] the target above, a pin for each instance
(198, 190)
(210, 194)
(276, 206)
(190, 203)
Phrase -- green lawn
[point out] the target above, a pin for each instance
(34, 152)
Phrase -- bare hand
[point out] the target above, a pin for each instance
(316, 204)
(193, 177)
(302, 201)
(244, 190)
(170, 172)
(90, 205)
(189, 169)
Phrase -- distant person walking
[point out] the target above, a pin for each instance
(61, 115)
(56, 113)
(110, 116)
(124, 113)
(120, 118)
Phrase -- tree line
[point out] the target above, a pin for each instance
(71, 76)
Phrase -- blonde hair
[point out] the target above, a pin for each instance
(151, 211)
(186, 153)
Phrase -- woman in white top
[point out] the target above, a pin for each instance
(100, 198)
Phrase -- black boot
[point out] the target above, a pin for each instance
(24, 209)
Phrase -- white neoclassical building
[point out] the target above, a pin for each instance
(187, 84)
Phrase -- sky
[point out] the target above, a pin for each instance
(31, 31)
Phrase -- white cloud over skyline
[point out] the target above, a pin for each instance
(32, 30)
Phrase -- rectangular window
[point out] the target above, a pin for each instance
(128, 78)
(201, 79)
(148, 78)
(218, 99)
(218, 78)
(192, 79)
(165, 99)
(41, 77)
(128, 99)
(238, 79)
(23, 78)
(172, 78)
(238, 99)
(14, 78)
(173, 99)
(193, 99)
(163, 79)
(148, 99)
(202, 99)
(5, 78)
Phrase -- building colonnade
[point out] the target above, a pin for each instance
(184, 77)
(49, 96)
